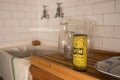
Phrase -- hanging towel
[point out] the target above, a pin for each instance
(21, 69)
(5, 65)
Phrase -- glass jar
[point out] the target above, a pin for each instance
(68, 47)
(89, 32)
(87, 28)
(61, 37)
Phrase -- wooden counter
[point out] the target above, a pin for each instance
(55, 67)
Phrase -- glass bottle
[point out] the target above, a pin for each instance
(68, 47)
(61, 37)
(89, 31)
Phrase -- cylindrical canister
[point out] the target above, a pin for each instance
(80, 51)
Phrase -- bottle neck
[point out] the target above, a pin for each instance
(63, 27)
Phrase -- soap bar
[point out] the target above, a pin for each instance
(36, 42)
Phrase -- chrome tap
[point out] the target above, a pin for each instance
(45, 13)
(59, 12)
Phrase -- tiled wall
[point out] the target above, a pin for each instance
(17, 17)
(103, 14)
(20, 21)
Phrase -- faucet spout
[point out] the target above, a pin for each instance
(45, 13)
(59, 12)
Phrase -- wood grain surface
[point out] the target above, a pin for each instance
(58, 66)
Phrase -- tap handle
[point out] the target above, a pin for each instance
(44, 6)
(45, 12)
(59, 4)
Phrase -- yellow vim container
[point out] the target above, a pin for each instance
(80, 52)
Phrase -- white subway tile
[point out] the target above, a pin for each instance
(33, 30)
(66, 3)
(11, 22)
(88, 9)
(88, 1)
(15, 37)
(4, 14)
(31, 15)
(47, 30)
(1, 22)
(117, 32)
(95, 19)
(30, 29)
(16, 1)
(34, 22)
(43, 22)
(77, 2)
(18, 29)
(35, 36)
(45, 1)
(5, 30)
(15, 43)
(25, 22)
(55, 21)
(74, 28)
(10, 7)
(4, 0)
(34, 8)
(1, 6)
(111, 44)
(70, 11)
(97, 42)
(105, 31)
(26, 36)
(80, 10)
(17, 15)
(31, 2)
(52, 5)
(51, 13)
(1, 38)
(19, 37)
(117, 6)
(10, 37)
(106, 7)
(40, 11)
(44, 4)
(25, 8)
(54, 29)
(94, 1)
(81, 18)
(76, 21)
(20, 16)
(112, 19)
(49, 43)
(52, 37)
(85, 10)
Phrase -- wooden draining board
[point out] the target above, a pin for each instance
(57, 65)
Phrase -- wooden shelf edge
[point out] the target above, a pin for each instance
(59, 70)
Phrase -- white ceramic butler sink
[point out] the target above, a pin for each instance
(110, 66)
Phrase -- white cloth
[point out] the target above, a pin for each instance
(21, 69)
(5, 65)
